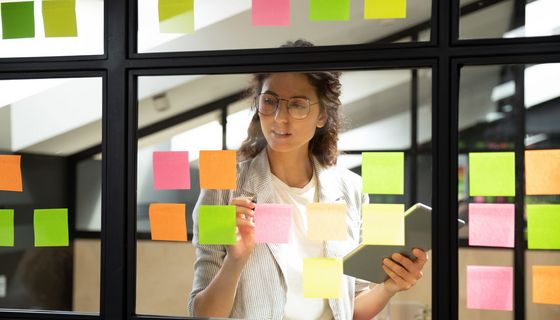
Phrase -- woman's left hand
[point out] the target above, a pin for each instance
(403, 273)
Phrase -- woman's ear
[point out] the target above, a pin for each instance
(322, 119)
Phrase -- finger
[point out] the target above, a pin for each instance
(243, 211)
(421, 257)
(407, 264)
(243, 202)
(398, 269)
(242, 223)
(401, 283)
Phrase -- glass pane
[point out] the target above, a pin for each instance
(480, 257)
(224, 24)
(551, 308)
(65, 28)
(183, 113)
(500, 19)
(46, 265)
(490, 102)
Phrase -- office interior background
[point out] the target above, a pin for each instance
(86, 113)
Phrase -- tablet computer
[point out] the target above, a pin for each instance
(365, 261)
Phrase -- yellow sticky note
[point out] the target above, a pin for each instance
(384, 9)
(383, 224)
(546, 284)
(542, 172)
(322, 277)
(326, 221)
(176, 16)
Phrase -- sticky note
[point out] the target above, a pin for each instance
(326, 221)
(491, 225)
(218, 169)
(329, 10)
(176, 16)
(546, 284)
(322, 277)
(6, 228)
(168, 222)
(51, 227)
(490, 288)
(384, 9)
(271, 12)
(216, 224)
(542, 172)
(492, 174)
(10, 173)
(273, 223)
(171, 170)
(59, 18)
(18, 20)
(383, 172)
(543, 225)
(383, 224)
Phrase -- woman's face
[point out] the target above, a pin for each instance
(282, 132)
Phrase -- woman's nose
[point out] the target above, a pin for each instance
(282, 113)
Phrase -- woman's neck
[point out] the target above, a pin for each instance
(294, 169)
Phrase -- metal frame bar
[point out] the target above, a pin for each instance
(120, 65)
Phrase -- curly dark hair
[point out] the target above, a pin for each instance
(323, 145)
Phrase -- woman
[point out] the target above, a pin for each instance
(289, 157)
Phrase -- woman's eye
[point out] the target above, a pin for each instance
(269, 101)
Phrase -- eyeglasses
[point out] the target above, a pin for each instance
(298, 108)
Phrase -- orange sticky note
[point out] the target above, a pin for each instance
(217, 169)
(542, 172)
(546, 284)
(10, 173)
(168, 222)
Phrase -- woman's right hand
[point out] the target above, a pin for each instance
(245, 230)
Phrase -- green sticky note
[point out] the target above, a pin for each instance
(51, 227)
(383, 172)
(329, 10)
(6, 228)
(59, 18)
(176, 16)
(492, 174)
(543, 226)
(18, 20)
(216, 224)
(384, 9)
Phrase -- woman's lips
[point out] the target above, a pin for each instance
(280, 134)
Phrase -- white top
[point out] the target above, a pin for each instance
(298, 307)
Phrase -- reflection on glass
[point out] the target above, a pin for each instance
(48, 122)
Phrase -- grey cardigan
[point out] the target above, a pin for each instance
(261, 292)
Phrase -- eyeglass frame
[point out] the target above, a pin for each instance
(256, 104)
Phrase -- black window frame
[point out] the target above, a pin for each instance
(120, 64)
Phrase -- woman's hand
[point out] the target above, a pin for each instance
(245, 230)
(403, 273)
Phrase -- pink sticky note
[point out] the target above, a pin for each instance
(491, 225)
(273, 223)
(271, 12)
(490, 288)
(171, 170)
